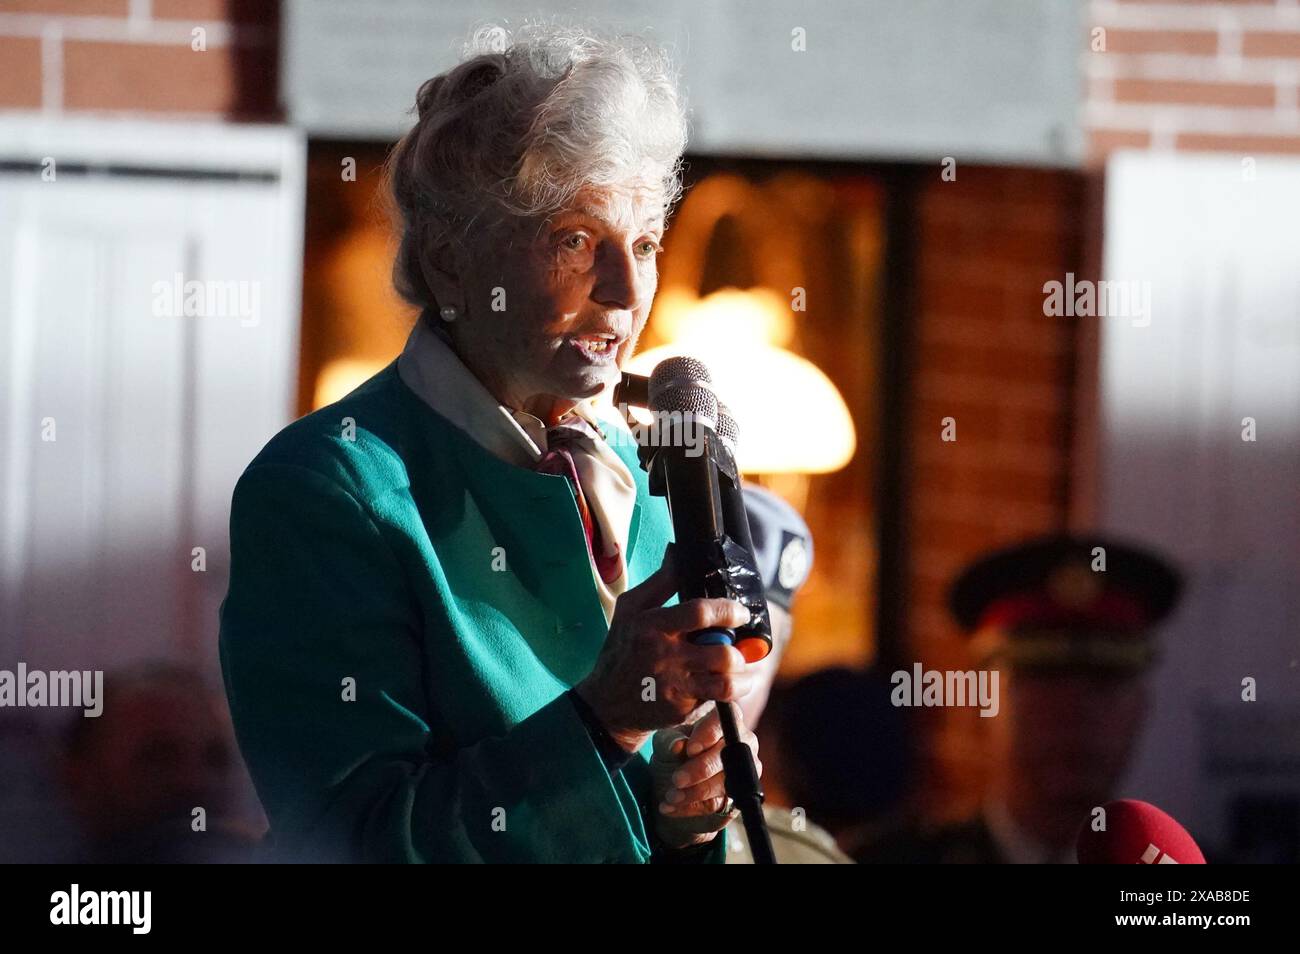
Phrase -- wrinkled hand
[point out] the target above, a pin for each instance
(648, 644)
(689, 783)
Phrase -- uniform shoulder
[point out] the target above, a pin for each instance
(795, 840)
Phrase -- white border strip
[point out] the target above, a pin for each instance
(123, 30)
(1226, 121)
(52, 68)
(1180, 67)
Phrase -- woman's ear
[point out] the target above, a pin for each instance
(442, 268)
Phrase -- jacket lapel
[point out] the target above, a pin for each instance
(472, 500)
(534, 518)
(650, 530)
(624, 445)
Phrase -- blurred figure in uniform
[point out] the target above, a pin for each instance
(1068, 623)
(783, 548)
(136, 773)
(834, 744)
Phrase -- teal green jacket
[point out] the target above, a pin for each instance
(405, 613)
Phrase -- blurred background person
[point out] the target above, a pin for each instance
(835, 746)
(136, 774)
(1073, 645)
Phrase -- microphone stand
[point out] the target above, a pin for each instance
(710, 574)
(743, 785)
(744, 788)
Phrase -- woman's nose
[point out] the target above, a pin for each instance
(618, 281)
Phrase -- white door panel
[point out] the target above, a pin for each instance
(155, 414)
(1221, 250)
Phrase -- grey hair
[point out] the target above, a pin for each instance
(520, 125)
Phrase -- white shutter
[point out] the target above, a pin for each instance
(155, 416)
(1219, 240)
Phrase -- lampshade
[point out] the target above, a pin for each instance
(792, 419)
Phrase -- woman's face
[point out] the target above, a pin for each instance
(554, 314)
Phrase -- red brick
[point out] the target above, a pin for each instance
(961, 540)
(961, 298)
(933, 383)
(149, 77)
(1025, 302)
(234, 11)
(995, 364)
(1120, 40)
(1239, 144)
(1012, 485)
(935, 562)
(99, 8)
(1015, 333)
(1194, 94)
(966, 526)
(1044, 186)
(987, 241)
(1038, 218)
(987, 356)
(1271, 44)
(975, 418)
(1102, 142)
(929, 590)
(20, 80)
(1043, 217)
(993, 185)
(976, 449)
(1025, 425)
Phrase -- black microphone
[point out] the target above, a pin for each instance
(692, 463)
(632, 389)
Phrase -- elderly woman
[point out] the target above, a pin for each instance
(452, 631)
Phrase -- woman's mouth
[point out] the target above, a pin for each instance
(597, 349)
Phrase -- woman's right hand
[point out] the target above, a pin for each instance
(649, 675)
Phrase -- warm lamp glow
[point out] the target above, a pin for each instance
(792, 419)
(339, 378)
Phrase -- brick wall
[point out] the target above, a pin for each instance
(178, 58)
(987, 357)
(1193, 75)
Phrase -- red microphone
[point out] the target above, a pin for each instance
(1136, 833)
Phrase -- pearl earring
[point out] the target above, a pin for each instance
(448, 312)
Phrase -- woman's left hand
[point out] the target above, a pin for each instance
(690, 785)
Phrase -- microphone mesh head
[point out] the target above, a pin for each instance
(727, 428)
(678, 372)
(688, 399)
